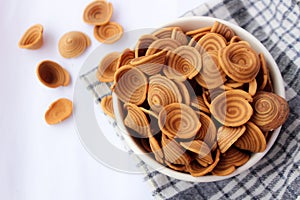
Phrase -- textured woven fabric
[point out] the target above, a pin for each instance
(277, 176)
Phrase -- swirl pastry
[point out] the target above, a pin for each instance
(137, 121)
(108, 33)
(207, 131)
(58, 111)
(197, 102)
(229, 160)
(239, 61)
(270, 110)
(226, 136)
(151, 64)
(252, 87)
(178, 120)
(126, 56)
(263, 74)
(161, 92)
(210, 42)
(162, 33)
(211, 75)
(252, 140)
(174, 152)
(223, 30)
(32, 38)
(185, 61)
(195, 169)
(232, 108)
(52, 74)
(178, 34)
(73, 44)
(107, 67)
(185, 91)
(107, 106)
(143, 44)
(157, 149)
(200, 148)
(130, 85)
(98, 12)
(167, 44)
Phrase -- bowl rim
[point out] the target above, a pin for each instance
(278, 85)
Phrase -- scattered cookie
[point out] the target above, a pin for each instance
(73, 44)
(52, 74)
(32, 38)
(108, 33)
(97, 12)
(58, 111)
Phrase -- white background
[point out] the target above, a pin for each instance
(38, 161)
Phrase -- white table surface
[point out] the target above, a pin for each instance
(38, 161)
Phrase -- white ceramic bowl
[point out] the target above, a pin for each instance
(191, 23)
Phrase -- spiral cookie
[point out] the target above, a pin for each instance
(130, 85)
(222, 29)
(32, 38)
(58, 111)
(226, 136)
(125, 57)
(211, 76)
(162, 44)
(143, 44)
(151, 64)
(232, 108)
(211, 42)
(108, 33)
(52, 74)
(179, 120)
(107, 106)
(252, 139)
(137, 121)
(240, 62)
(270, 110)
(73, 44)
(184, 61)
(107, 67)
(98, 12)
(161, 92)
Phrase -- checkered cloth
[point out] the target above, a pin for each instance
(277, 176)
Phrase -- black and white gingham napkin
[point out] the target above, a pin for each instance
(276, 23)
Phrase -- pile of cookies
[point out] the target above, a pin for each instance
(71, 44)
(200, 102)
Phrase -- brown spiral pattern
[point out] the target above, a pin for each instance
(197, 102)
(161, 92)
(32, 38)
(98, 12)
(211, 42)
(73, 44)
(52, 74)
(143, 44)
(240, 62)
(156, 148)
(178, 34)
(107, 67)
(174, 152)
(231, 108)
(126, 56)
(137, 120)
(200, 148)
(108, 33)
(270, 110)
(226, 136)
(195, 169)
(151, 64)
(207, 131)
(185, 61)
(222, 29)
(179, 121)
(130, 85)
(107, 106)
(167, 44)
(211, 76)
(231, 159)
(252, 140)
